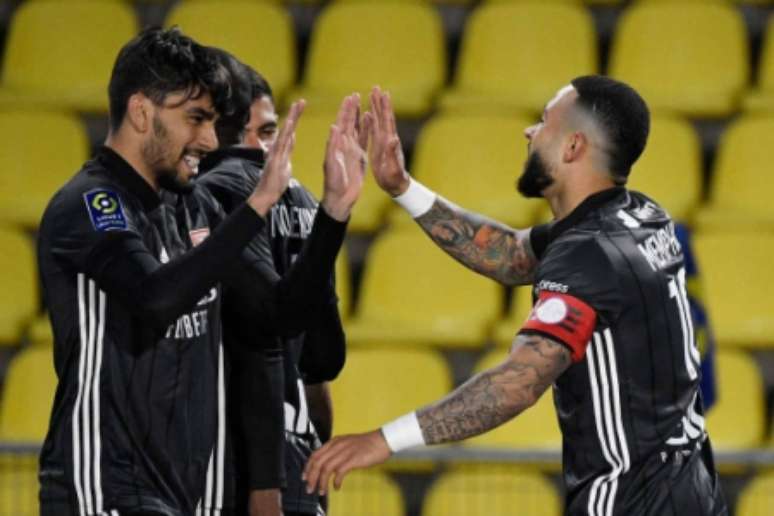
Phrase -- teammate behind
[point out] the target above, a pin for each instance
(610, 328)
(311, 356)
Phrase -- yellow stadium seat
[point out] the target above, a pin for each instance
(28, 395)
(308, 157)
(515, 56)
(738, 280)
(757, 498)
(356, 45)
(535, 428)
(258, 33)
(33, 167)
(366, 394)
(19, 484)
(671, 52)
(412, 293)
(670, 170)
(19, 295)
(740, 181)
(737, 420)
(493, 491)
(505, 331)
(475, 161)
(367, 493)
(40, 332)
(60, 54)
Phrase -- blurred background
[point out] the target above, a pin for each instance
(466, 78)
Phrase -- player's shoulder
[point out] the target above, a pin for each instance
(574, 248)
(632, 210)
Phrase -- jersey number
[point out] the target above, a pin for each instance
(677, 291)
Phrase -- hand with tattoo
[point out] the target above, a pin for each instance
(484, 402)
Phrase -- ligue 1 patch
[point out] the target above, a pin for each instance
(105, 210)
(198, 235)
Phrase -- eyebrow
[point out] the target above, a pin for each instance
(204, 113)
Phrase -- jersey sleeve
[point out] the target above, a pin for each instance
(575, 292)
(105, 244)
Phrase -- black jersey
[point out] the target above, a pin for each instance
(610, 284)
(137, 340)
(312, 347)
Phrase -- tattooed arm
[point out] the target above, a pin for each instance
(484, 402)
(488, 247)
(497, 395)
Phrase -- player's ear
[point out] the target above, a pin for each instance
(139, 112)
(575, 147)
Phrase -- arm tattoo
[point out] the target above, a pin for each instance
(487, 247)
(493, 397)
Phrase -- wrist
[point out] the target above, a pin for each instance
(261, 203)
(402, 187)
(337, 210)
(403, 433)
(417, 199)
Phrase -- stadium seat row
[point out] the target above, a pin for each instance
(366, 395)
(411, 293)
(514, 55)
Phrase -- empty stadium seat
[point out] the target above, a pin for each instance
(739, 194)
(356, 45)
(28, 395)
(19, 484)
(493, 491)
(535, 428)
(40, 332)
(367, 493)
(258, 33)
(757, 498)
(738, 280)
(308, 156)
(669, 170)
(39, 152)
(516, 55)
(19, 296)
(60, 54)
(475, 161)
(671, 52)
(737, 420)
(521, 305)
(413, 294)
(380, 384)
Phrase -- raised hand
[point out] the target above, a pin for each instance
(385, 152)
(341, 455)
(277, 172)
(345, 159)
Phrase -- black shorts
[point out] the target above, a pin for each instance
(64, 509)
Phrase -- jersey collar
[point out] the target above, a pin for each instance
(589, 204)
(214, 158)
(128, 177)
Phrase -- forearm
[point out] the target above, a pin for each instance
(318, 396)
(479, 243)
(493, 397)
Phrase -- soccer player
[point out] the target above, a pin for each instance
(610, 329)
(311, 358)
(133, 288)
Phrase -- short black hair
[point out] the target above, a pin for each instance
(158, 62)
(622, 114)
(248, 86)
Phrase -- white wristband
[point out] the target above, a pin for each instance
(417, 199)
(403, 433)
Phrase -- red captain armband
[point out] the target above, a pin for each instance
(565, 318)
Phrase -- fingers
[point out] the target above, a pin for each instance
(364, 134)
(389, 115)
(333, 461)
(287, 131)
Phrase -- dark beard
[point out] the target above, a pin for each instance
(154, 154)
(535, 177)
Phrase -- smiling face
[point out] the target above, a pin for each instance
(181, 133)
(261, 130)
(545, 145)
